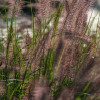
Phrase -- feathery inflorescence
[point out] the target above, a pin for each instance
(71, 58)
(15, 8)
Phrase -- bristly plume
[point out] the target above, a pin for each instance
(73, 15)
(43, 8)
(37, 90)
(76, 15)
(67, 46)
(15, 8)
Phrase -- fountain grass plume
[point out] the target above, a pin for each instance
(54, 61)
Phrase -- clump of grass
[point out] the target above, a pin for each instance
(56, 64)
